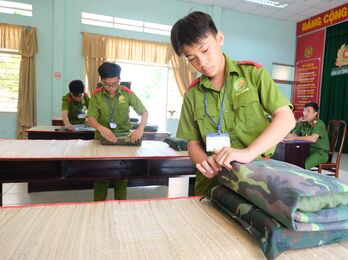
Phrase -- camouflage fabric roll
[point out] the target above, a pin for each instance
(272, 236)
(300, 199)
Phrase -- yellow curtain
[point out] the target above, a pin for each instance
(183, 72)
(10, 36)
(94, 51)
(137, 50)
(98, 48)
(26, 112)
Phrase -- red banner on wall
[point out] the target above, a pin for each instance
(322, 20)
(309, 53)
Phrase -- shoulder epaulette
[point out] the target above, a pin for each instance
(85, 95)
(193, 83)
(69, 99)
(97, 90)
(313, 122)
(250, 62)
(127, 90)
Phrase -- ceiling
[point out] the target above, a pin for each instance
(296, 11)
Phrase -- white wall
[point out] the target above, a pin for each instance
(59, 40)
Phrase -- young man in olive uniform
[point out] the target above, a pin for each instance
(222, 116)
(108, 113)
(311, 128)
(75, 105)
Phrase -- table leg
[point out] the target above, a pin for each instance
(0, 194)
(192, 181)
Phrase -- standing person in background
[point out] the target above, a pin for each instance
(108, 113)
(311, 128)
(75, 105)
(222, 116)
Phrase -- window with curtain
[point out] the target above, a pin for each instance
(144, 63)
(155, 85)
(23, 40)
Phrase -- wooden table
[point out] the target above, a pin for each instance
(57, 121)
(292, 151)
(60, 133)
(44, 132)
(45, 161)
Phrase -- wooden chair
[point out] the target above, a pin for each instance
(335, 129)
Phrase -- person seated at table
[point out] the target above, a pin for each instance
(108, 113)
(311, 128)
(75, 105)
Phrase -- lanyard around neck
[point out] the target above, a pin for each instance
(218, 124)
(111, 114)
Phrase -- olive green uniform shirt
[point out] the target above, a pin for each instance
(316, 126)
(124, 98)
(250, 92)
(74, 108)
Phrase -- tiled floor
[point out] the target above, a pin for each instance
(17, 193)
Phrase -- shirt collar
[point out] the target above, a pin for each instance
(105, 93)
(313, 121)
(230, 68)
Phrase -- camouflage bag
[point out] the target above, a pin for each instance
(272, 236)
(177, 144)
(300, 199)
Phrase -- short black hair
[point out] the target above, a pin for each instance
(191, 29)
(76, 87)
(313, 105)
(109, 70)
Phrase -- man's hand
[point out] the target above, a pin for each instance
(136, 135)
(300, 120)
(107, 134)
(209, 168)
(70, 127)
(291, 136)
(226, 155)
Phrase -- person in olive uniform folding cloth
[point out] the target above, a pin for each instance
(311, 128)
(75, 105)
(108, 113)
(223, 110)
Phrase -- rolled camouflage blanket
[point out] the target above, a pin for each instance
(177, 144)
(300, 199)
(272, 236)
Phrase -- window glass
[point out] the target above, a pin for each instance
(125, 24)
(10, 7)
(9, 81)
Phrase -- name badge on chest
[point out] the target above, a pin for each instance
(112, 124)
(81, 115)
(216, 141)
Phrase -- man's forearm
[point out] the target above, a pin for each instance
(143, 120)
(94, 123)
(309, 138)
(65, 117)
(196, 152)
